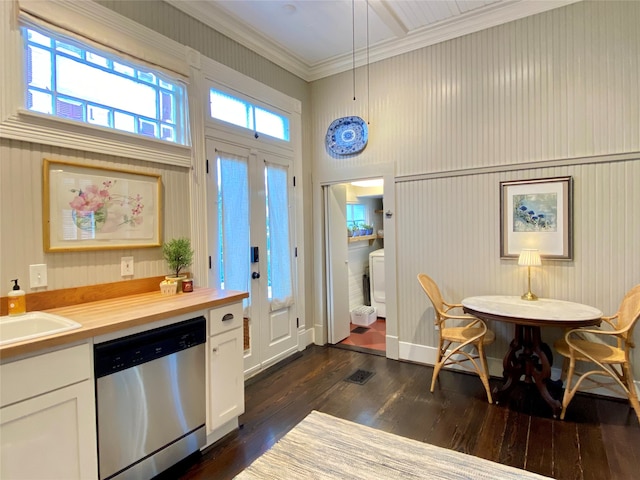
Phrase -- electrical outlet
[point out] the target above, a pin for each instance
(38, 275)
(126, 266)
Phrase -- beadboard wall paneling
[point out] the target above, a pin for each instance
(450, 226)
(559, 89)
(561, 84)
(21, 219)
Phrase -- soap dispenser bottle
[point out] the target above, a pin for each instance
(17, 300)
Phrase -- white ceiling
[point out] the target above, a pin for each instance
(317, 38)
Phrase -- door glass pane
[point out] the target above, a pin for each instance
(233, 222)
(278, 245)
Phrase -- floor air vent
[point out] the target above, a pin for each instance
(360, 330)
(360, 377)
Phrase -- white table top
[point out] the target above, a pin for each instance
(544, 309)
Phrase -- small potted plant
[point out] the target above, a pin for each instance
(179, 255)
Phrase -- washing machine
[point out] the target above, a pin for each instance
(376, 281)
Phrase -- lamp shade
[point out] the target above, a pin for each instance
(529, 257)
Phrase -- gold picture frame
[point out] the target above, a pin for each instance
(537, 214)
(97, 208)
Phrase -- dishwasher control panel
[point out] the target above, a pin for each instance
(133, 350)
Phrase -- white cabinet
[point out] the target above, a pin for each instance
(47, 418)
(225, 389)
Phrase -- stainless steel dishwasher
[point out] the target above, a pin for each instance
(150, 394)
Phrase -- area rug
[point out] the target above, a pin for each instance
(326, 447)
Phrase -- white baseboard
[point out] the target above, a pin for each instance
(305, 338)
(427, 355)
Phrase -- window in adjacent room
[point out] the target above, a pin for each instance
(70, 80)
(356, 215)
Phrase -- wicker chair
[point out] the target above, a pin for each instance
(466, 331)
(606, 359)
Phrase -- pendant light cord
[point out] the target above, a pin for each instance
(368, 95)
(353, 45)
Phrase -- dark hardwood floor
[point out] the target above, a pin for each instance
(600, 438)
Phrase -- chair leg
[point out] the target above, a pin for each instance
(565, 367)
(568, 395)
(438, 365)
(436, 370)
(484, 374)
(633, 395)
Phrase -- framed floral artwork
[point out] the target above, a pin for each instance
(537, 214)
(97, 208)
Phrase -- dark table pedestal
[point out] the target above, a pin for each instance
(528, 356)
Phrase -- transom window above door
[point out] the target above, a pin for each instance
(242, 113)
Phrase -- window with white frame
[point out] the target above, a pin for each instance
(74, 81)
(356, 215)
(242, 113)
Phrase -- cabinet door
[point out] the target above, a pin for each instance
(226, 380)
(51, 436)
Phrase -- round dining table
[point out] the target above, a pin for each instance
(527, 355)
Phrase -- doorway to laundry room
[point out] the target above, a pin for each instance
(356, 266)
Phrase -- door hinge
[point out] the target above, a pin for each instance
(295, 252)
(294, 180)
(209, 262)
(297, 322)
(207, 165)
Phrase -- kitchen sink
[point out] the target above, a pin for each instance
(33, 325)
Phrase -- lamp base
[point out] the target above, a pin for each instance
(529, 296)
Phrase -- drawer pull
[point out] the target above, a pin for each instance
(227, 317)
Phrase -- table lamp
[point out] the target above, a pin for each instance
(529, 257)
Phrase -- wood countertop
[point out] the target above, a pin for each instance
(107, 316)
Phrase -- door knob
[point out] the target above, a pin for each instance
(255, 275)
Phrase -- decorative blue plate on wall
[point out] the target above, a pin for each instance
(347, 135)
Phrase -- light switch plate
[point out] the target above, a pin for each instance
(126, 266)
(38, 275)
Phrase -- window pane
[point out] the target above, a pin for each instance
(272, 124)
(125, 122)
(168, 133)
(90, 83)
(67, 108)
(233, 214)
(124, 69)
(278, 245)
(97, 59)
(39, 67)
(68, 49)
(39, 101)
(98, 115)
(145, 127)
(36, 37)
(230, 109)
(167, 108)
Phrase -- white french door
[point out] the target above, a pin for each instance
(250, 232)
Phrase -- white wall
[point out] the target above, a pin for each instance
(554, 94)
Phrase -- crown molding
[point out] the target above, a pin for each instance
(470, 22)
(220, 21)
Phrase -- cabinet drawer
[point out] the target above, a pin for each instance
(225, 318)
(42, 373)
